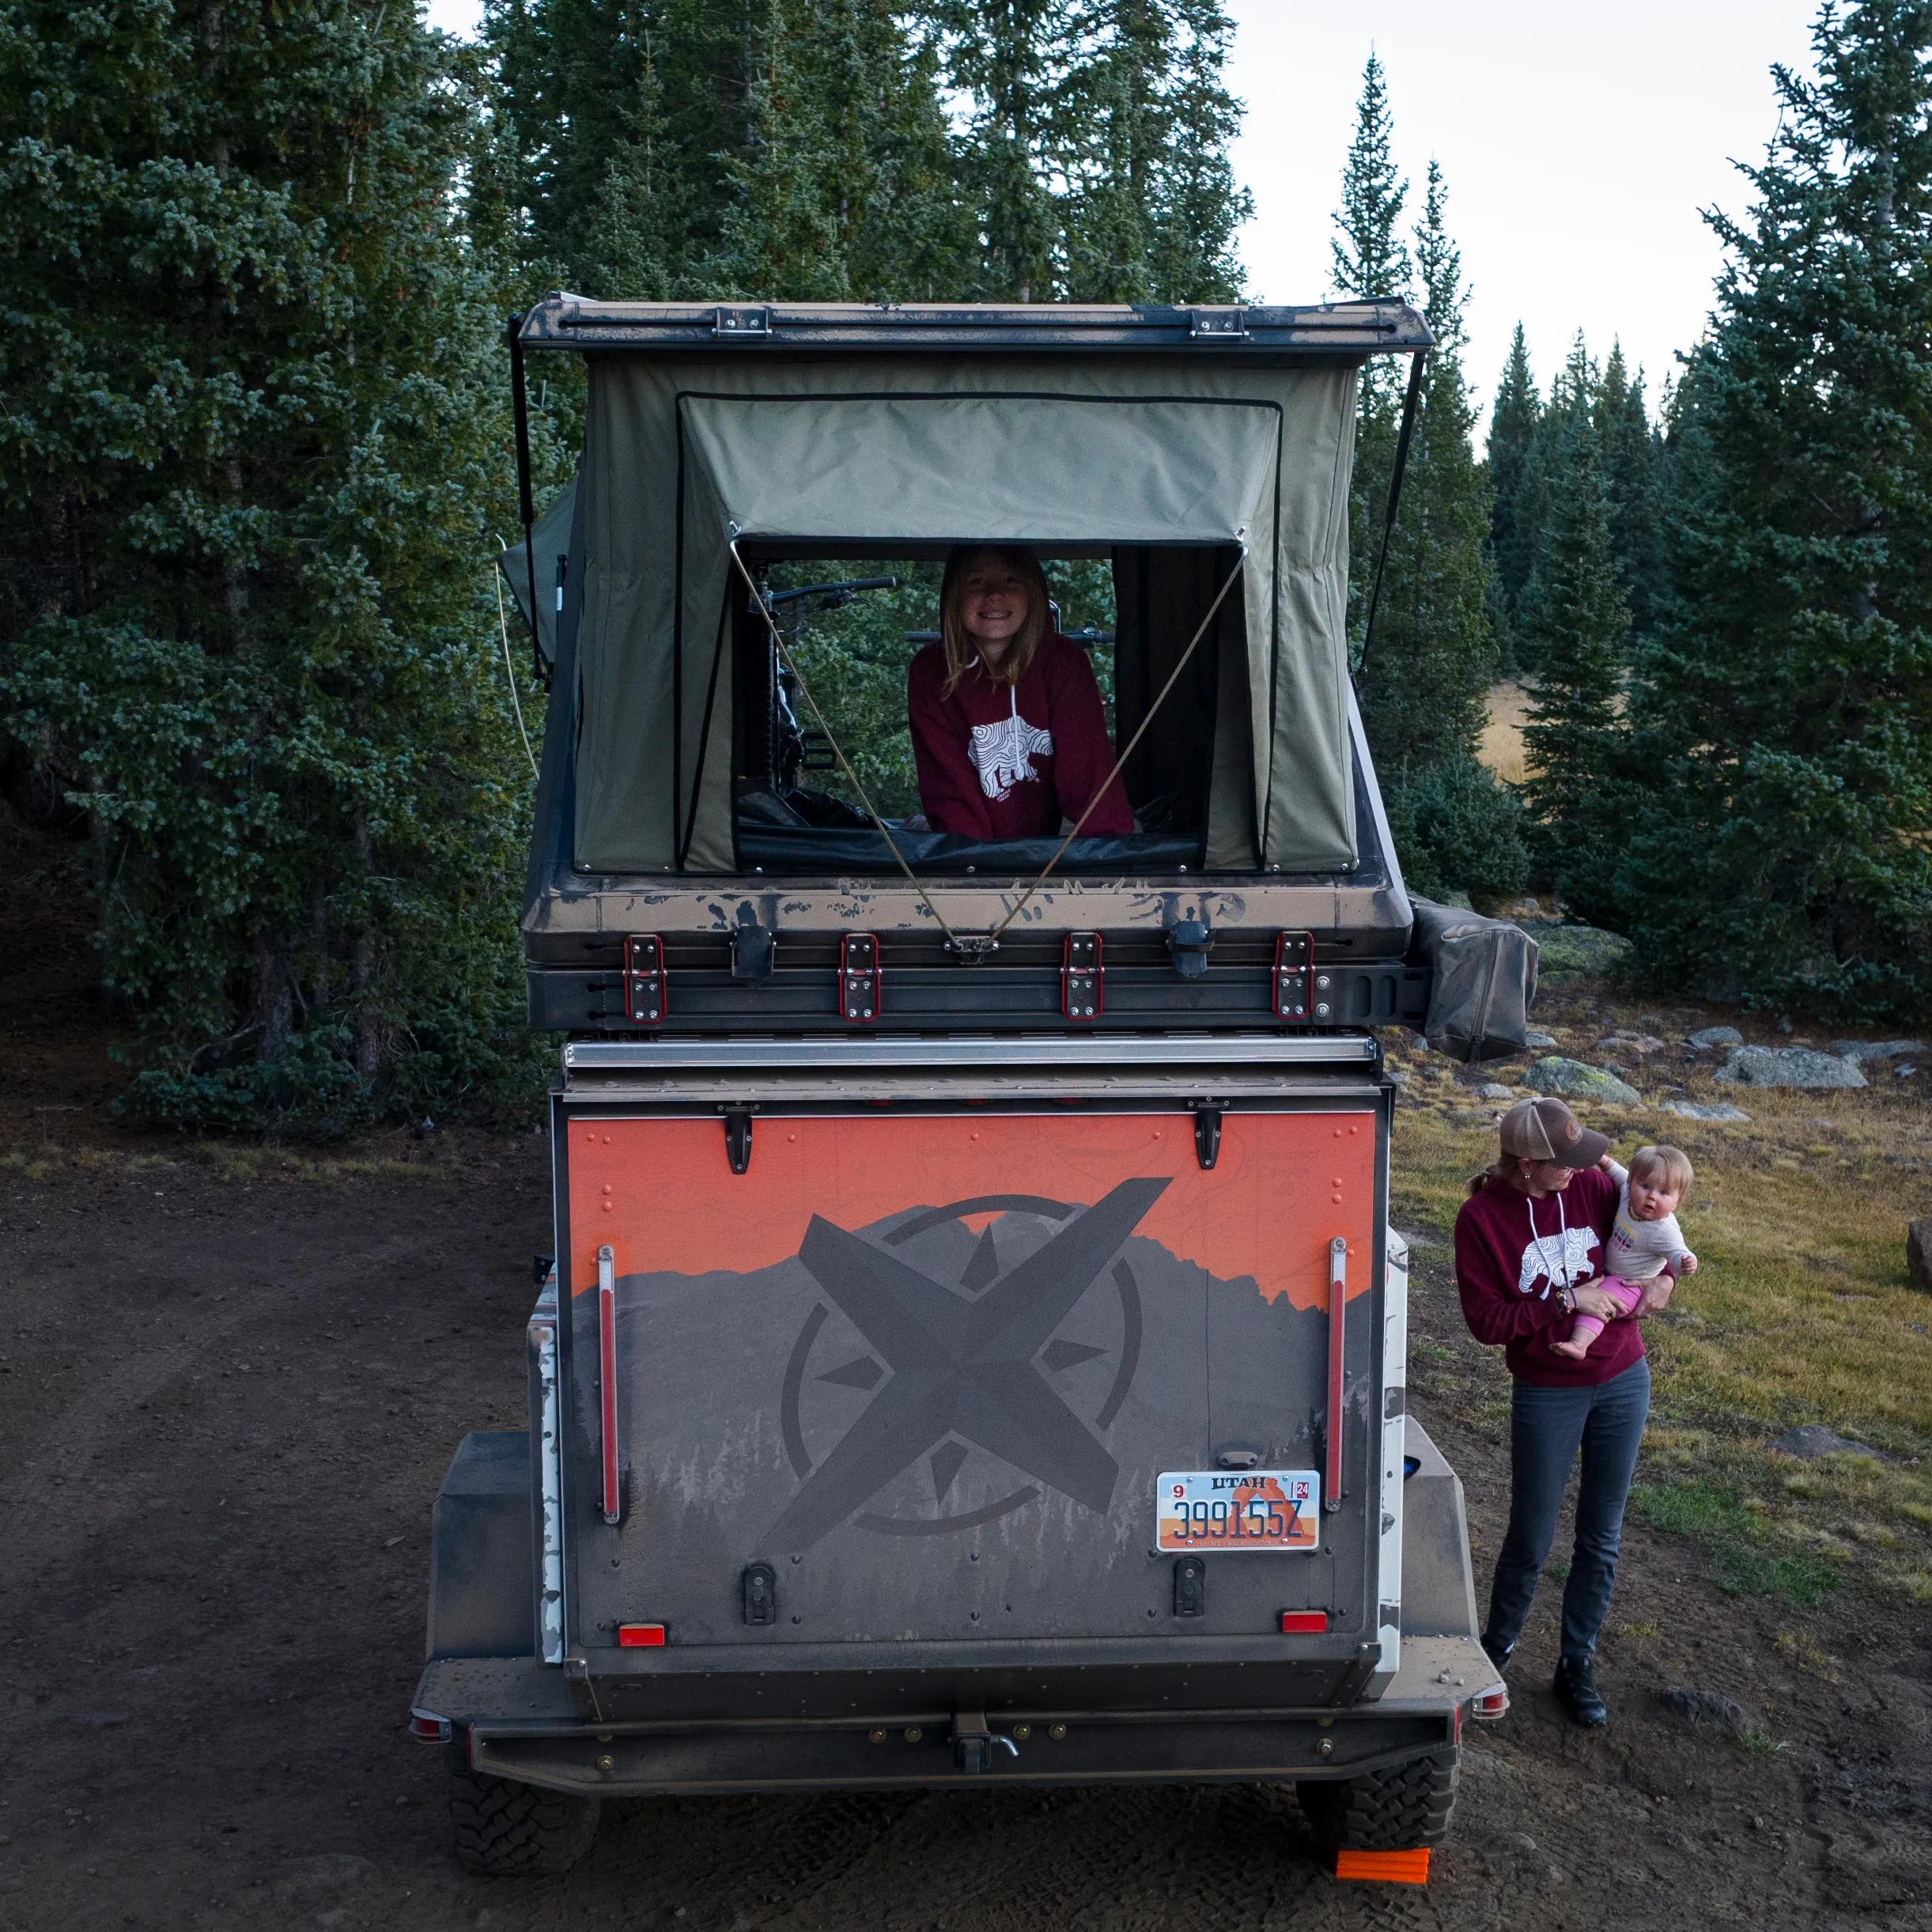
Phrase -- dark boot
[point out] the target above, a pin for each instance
(1576, 1686)
(1498, 1653)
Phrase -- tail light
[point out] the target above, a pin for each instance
(1490, 1706)
(639, 1636)
(1303, 1623)
(427, 1728)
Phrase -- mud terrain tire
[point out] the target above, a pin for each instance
(501, 1829)
(1401, 1808)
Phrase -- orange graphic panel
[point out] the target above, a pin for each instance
(662, 1194)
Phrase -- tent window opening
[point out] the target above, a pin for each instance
(853, 627)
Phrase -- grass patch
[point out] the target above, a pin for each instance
(1749, 1556)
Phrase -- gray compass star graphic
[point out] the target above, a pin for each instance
(960, 1368)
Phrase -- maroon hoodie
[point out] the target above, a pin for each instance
(1004, 761)
(1508, 1245)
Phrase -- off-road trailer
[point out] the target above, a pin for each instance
(975, 1345)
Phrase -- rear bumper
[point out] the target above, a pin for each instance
(524, 1721)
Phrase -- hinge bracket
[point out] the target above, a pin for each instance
(1295, 967)
(1082, 978)
(858, 978)
(737, 1139)
(644, 989)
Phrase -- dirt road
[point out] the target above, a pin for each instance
(229, 1400)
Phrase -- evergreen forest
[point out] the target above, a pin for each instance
(257, 680)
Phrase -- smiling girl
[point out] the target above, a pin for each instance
(1009, 736)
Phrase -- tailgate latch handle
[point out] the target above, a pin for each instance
(1190, 1587)
(760, 1588)
(1189, 942)
(738, 1138)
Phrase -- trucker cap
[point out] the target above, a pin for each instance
(1548, 1130)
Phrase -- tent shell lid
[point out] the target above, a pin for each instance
(1329, 332)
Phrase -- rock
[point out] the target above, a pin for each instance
(1857, 1051)
(1787, 1066)
(1576, 1081)
(1809, 1440)
(1624, 1042)
(1539, 1039)
(1710, 1711)
(1495, 1090)
(1578, 952)
(1918, 1254)
(1696, 1111)
(1718, 1036)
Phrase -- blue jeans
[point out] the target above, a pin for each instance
(1546, 1426)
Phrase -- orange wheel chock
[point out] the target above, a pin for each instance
(1398, 1868)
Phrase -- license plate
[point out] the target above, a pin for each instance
(1228, 1509)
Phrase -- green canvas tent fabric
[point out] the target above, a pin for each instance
(550, 539)
(682, 458)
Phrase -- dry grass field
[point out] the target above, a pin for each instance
(1501, 747)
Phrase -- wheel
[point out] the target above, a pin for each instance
(1401, 1808)
(500, 1828)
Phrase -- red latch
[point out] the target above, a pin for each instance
(858, 978)
(1082, 978)
(643, 979)
(1294, 971)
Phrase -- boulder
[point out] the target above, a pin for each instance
(1810, 1440)
(1539, 1039)
(1718, 1036)
(1857, 1051)
(1578, 952)
(1574, 1080)
(1698, 1110)
(1495, 1090)
(1787, 1066)
(1918, 1254)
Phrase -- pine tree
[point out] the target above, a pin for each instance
(1633, 464)
(251, 436)
(1513, 420)
(1144, 119)
(1096, 154)
(1787, 716)
(1576, 627)
(1370, 259)
(1422, 683)
(846, 191)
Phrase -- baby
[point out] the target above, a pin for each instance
(1646, 1240)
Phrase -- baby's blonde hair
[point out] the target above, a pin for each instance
(1663, 1166)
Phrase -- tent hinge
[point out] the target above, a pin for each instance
(727, 318)
(858, 978)
(643, 979)
(1208, 1132)
(1218, 325)
(738, 1138)
(1082, 976)
(1294, 971)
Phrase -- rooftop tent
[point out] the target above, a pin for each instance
(550, 539)
(684, 455)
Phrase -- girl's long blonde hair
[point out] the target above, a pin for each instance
(960, 655)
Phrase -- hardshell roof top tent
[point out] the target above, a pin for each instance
(1189, 447)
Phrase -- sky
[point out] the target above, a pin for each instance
(1577, 144)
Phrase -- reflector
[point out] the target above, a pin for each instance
(1303, 1623)
(1401, 1868)
(641, 1636)
(430, 1729)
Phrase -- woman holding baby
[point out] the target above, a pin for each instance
(1559, 1251)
